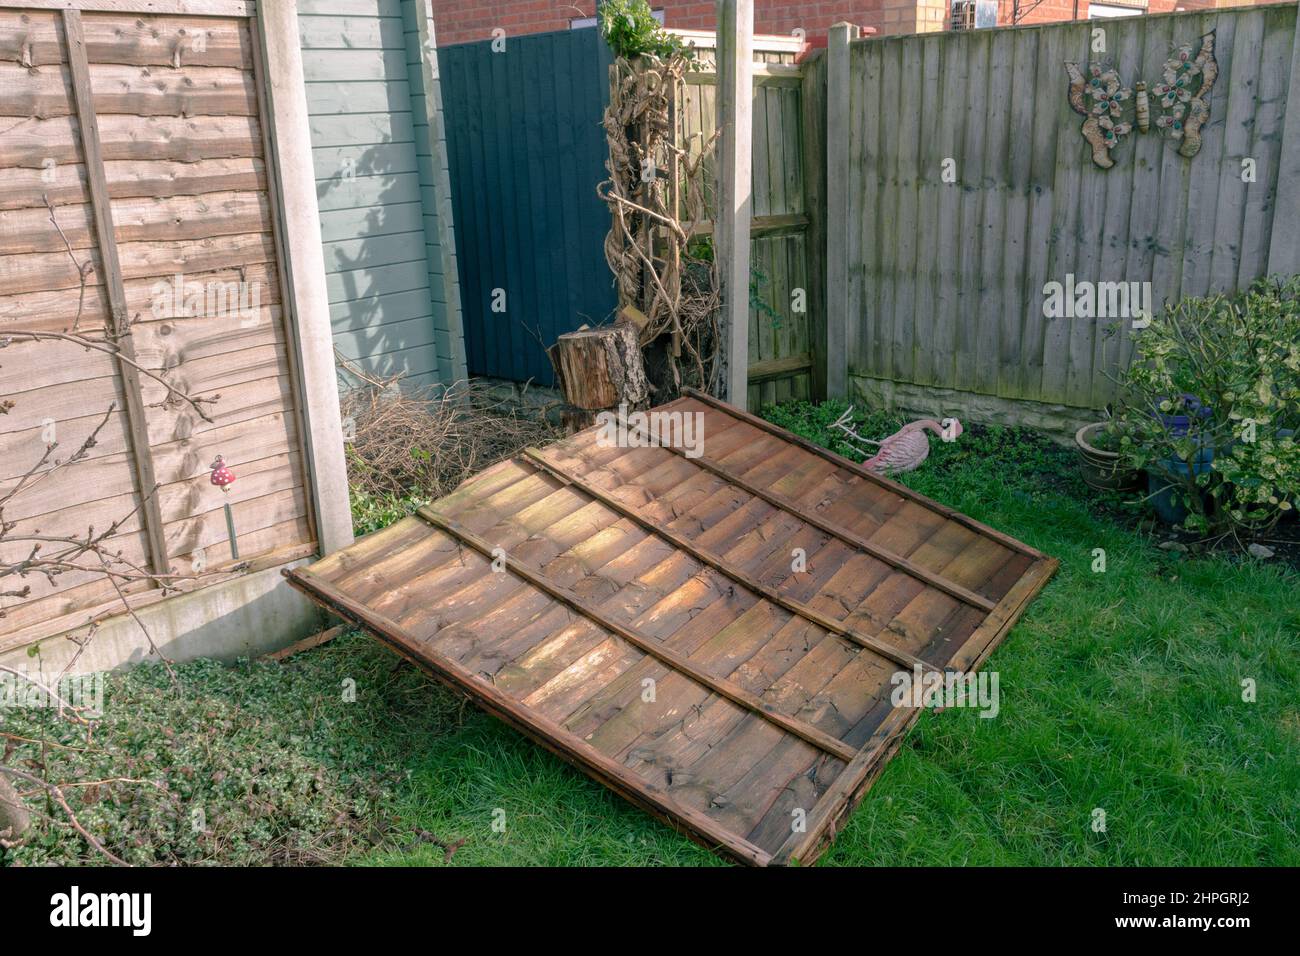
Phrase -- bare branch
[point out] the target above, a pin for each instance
(62, 801)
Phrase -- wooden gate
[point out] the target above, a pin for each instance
(138, 206)
(526, 152)
(711, 627)
(785, 288)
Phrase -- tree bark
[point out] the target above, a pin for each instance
(602, 368)
(14, 816)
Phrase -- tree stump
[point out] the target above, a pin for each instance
(599, 369)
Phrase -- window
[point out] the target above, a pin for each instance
(1099, 11)
(973, 14)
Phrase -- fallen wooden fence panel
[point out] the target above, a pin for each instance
(708, 629)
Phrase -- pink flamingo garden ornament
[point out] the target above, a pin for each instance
(902, 451)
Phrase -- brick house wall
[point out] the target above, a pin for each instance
(461, 22)
(1053, 11)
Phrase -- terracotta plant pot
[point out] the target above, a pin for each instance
(1101, 469)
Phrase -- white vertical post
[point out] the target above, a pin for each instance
(305, 265)
(735, 58)
(838, 117)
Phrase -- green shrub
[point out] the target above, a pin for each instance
(1230, 365)
(630, 29)
(370, 512)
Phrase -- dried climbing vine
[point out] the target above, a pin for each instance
(656, 193)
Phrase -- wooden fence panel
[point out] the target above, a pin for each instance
(782, 301)
(784, 677)
(969, 188)
(141, 152)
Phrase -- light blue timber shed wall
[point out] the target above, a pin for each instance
(377, 188)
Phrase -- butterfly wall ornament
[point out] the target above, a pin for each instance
(1183, 99)
(1099, 96)
(1184, 96)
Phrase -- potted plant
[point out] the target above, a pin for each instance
(1211, 403)
(1096, 447)
(1179, 416)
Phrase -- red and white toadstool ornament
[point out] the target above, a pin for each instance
(222, 476)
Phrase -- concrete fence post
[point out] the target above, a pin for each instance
(838, 118)
(735, 67)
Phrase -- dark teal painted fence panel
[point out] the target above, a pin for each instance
(526, 152)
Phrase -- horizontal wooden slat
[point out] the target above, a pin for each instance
(765, 74)
(769, 369)
(34, 142)
(134, 220)
(36, 39)
(158, 179)
(758, 225)
(209, 530)
(188, 8)
(51, 271)
(145, 300)
(135, 91)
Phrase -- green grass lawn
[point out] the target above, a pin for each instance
(1120, 692)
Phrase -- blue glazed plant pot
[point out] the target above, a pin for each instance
(1169, 509)
(1180, 424)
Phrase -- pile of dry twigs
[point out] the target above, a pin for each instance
(404, 440)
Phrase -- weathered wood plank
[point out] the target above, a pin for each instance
(132, 180)
(135, 91)
(35, 39)
(647, 645)
(36, 143)
(1016, 246)
(546, 732)
(135, 220)
(708, 556)
(53, 271)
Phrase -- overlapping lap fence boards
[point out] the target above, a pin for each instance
(640, 611)
(960, 187)
(136, 144)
